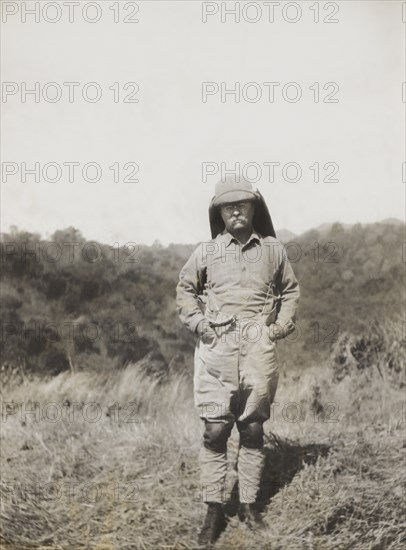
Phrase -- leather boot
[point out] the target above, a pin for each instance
(214, 524)
(249, 514)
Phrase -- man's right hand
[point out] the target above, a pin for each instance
(206, 332)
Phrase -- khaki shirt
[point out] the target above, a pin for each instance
(242, 279)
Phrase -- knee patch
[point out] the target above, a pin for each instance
(252, 435)
(216, 435)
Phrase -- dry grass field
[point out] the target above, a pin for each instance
(109, 461)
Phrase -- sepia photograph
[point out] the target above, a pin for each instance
(203, 260)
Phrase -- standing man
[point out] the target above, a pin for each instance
(239, 294)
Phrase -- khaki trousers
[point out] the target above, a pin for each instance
(235, 381)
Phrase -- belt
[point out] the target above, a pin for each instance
(227, 321)
(231, 319)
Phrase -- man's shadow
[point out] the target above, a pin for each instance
(283, 459)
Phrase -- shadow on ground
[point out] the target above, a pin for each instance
(283, 459)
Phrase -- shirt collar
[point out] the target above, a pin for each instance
(228, 238)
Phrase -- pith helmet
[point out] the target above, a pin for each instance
(234, 189)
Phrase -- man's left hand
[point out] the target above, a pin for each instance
(277, 331)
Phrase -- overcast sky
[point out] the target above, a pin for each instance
(170, 132)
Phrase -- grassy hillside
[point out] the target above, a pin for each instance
(100, 438)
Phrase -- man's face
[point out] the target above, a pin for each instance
(237, 215)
